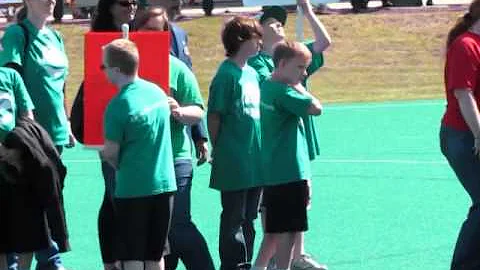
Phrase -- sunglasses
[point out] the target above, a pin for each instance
(126, 3)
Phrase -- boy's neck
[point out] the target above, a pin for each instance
(38, 21)
(269, 45)
(239, 60)
(278, 77)
(124, 80)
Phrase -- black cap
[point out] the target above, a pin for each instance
(276, 12)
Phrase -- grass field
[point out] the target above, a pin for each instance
(383, 196)
(374, 57)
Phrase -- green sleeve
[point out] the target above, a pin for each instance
(13, 45)
(262, 70)
(188, 91)
(317, 59)
(294, 102)
(220, 93)
(114, 120)
(22, 98)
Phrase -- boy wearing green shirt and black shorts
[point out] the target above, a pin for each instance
(138, 146)
(273, 21)
(285, 159)
(234, 128)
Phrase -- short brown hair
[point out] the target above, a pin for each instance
(122, 53)
(152, 12)
(238, 30)
(290, 49)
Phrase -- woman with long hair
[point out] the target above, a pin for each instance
(186, 242)
(109, 17)
(460, 129)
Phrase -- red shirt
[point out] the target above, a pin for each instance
(462, 70)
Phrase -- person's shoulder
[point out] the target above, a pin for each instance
(467, 39)
(250, 70)
(10, 72)
(275, 85)
(13, 30)
(177, 63)
(177, 30)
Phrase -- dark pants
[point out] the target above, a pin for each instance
(186, 241)
(106, 225)
(207, 6)
(58, 10)
(457, 147)
(237, 232)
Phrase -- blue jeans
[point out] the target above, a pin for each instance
(186, 241)
(237, 233)
(457, 147)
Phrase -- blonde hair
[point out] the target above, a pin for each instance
(123, 54)
(290, 49)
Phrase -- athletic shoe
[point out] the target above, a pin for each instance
(306, 262)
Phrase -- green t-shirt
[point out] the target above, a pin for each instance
(263, 64)
(14, 100)
(235, 96)
(185, 90)
(45, 67)
(138, 119)
(284, 148)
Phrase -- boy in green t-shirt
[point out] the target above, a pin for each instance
(285, 160)
(273, 21)
(138, 145)
(234, 128)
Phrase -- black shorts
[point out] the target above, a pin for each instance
(286, 207)
(142, 226)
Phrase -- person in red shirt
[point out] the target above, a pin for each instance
(460, 129)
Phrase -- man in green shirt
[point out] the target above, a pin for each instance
(285, 161)
(186, 103)
(273, 21)
(138, 146)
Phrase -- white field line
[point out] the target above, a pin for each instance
(383, 161)
(359, 161)
(381, 106)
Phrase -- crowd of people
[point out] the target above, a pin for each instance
(259, 117)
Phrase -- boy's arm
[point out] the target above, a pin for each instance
(187, 115)
(322, 38)
(28, 114)
(315, 107)
(109, 153)
(213, 123)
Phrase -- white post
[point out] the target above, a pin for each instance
(299, 24)
(125, 29)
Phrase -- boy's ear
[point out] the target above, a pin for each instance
(282, 63)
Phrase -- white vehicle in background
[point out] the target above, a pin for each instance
(8, 8)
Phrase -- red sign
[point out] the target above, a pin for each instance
(154, 49)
